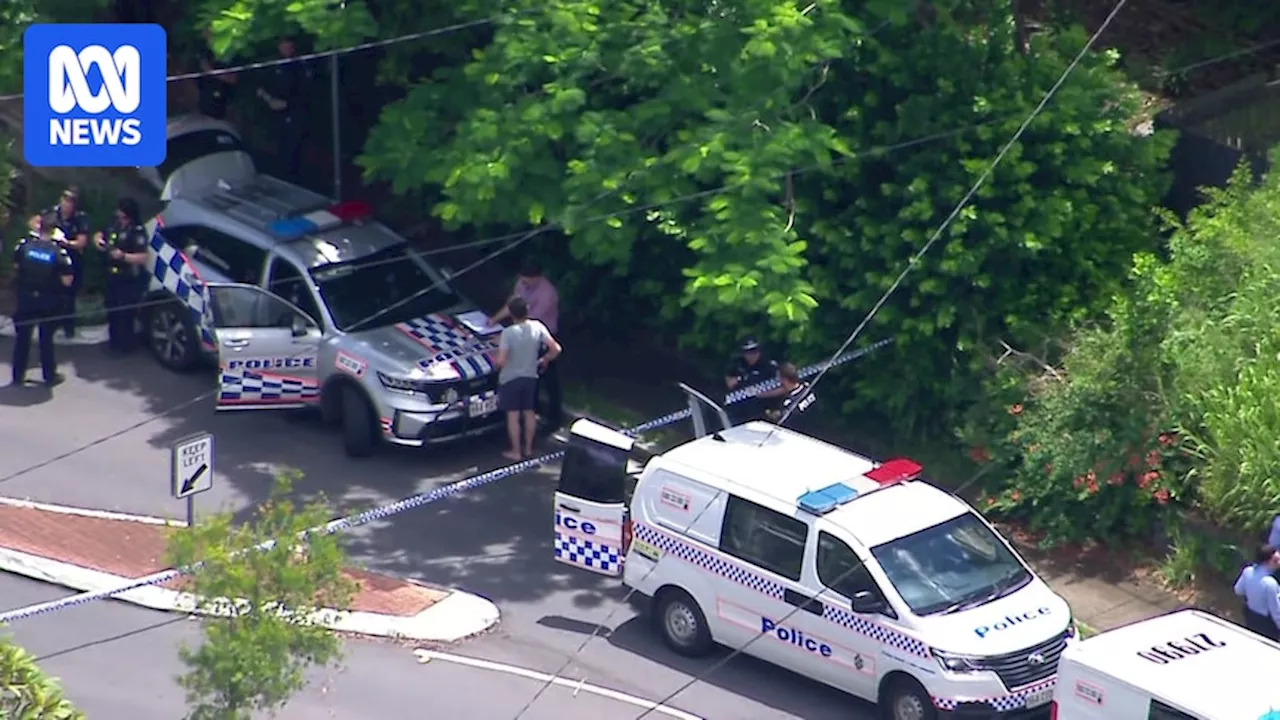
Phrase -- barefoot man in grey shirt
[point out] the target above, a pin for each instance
(518, 359)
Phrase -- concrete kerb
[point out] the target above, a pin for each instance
(456, 616)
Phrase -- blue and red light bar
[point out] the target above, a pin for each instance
(894, 471)
(337, 215)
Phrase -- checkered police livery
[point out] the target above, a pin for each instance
(1002, 703)
(589, 554)
(250, 388)
(450, 344)
(171, 271)
(720, 566)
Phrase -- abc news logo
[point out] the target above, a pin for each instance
(69, 91)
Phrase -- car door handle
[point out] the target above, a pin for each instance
(235, 342)
(804, 602)
(570, 508)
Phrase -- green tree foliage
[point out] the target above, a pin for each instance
(1168, 406)
(596, 118)
(26, 693)
(16, 15)
(263, 637)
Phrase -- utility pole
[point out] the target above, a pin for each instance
(336, 120)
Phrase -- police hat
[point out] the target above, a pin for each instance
(750, 345)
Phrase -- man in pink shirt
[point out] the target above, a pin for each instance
(544, 306)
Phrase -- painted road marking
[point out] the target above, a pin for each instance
(575, 685)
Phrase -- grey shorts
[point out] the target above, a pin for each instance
(518, 394)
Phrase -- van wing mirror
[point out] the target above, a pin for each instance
(866, 602)
(709, 417)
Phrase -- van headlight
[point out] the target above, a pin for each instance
(952, 662)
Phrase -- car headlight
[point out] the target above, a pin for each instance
(1073, 631)
(951, 662)
(449, 396)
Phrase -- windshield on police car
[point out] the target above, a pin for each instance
(386, 287)
(952, 566)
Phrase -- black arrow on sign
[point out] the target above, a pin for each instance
(189, 484)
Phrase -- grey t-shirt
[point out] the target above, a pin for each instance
(523, 342)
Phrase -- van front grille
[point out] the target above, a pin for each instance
(1024, 667)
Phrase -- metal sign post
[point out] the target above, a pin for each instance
(192, 470)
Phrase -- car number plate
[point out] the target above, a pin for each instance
(481, 405)
(1040, 697)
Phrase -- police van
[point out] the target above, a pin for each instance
(854, 573)
(1186, 665)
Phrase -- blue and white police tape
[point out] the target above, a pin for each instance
(415, 501)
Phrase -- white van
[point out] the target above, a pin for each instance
(847, 571)
(1187, 665)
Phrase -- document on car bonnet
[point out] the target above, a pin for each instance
(478, 322)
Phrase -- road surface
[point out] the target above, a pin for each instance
(495, 541)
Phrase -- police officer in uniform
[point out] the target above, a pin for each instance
(74, 226)
(1258, 588)
(794, 397)
(285, 94)
(44, 272)
(749, 368)
(125, 243)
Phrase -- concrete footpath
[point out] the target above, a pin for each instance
(92, 551)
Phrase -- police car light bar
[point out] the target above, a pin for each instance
(821, 502)
(343, 213)
(893, 471)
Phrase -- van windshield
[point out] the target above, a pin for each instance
(953, 566)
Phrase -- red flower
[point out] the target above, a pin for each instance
(1169, 439)
(1015, 409)
(991, 501)
(1161, 496)
(1091, 476)
(1091, 486)
(979, 454)
(1153, 459)
(1117, 479)
(1078, 482)
(1148, 479)
(1015, 496)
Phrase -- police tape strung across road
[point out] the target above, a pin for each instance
(415, 501)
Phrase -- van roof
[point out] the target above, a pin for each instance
(1242, 671)
(771, 465)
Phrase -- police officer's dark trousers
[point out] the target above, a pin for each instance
(124, 293)
(289, 144)
(37, 311)
(1261, 624)
(68, 309)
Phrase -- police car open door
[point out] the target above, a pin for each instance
(592, 530)
(266, 350)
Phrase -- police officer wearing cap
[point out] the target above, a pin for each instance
(74, 227)
(125, 243)
(749, 368)
(1258, 587)
(44, 272)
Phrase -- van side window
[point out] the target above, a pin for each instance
(594, 472)
(1160, 711)
(763, 537)
(840, 569)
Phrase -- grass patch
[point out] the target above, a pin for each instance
(580, 399)
(1086, 631)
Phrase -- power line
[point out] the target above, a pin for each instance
(604, 217)
(910, 265)
(360, 47)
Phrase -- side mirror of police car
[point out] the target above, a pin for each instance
(866, 602)
(299, 327)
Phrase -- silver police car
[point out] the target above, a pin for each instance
(306, 302)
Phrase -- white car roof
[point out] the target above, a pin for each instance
(1233, 681)
(774, 466)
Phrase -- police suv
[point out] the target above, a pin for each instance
(851, 572)
(305, 302)
(1185, 665)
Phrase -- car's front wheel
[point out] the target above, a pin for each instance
(172, 336)
(906, 699)
(359, 429)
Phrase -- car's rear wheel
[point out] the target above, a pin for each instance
(359, 428)
(172, 336)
